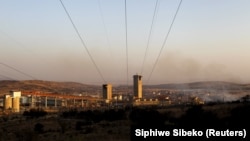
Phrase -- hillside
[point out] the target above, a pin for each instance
(215, 85)
(47, 86)
(79, 88)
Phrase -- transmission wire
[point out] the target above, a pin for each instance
(17, 70)
(81, 39)
(126, 29)
(165, 40)
(150, 32)
(7, 77)
(105, 27)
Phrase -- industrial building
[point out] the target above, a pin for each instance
(137, 86)
(34, 99)
(107, 91)
(19, 101)
(12, 101)
(146, 102)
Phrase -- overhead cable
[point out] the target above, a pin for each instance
(17, 70)
(82, 41)
(165, 39)
(149, 37)
(126, 38)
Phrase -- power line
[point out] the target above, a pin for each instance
(15, 41)
(81, 39)
(7, 77)
(18, 70)
(165, 40)
(105, 28)
(126, 30)
(150, 32)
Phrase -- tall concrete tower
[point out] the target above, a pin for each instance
(107, 91)
(138, 86)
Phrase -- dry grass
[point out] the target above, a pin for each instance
(56, 128)
(24, 130)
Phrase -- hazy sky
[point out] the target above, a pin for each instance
(210, 40)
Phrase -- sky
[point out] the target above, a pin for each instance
(209, 41)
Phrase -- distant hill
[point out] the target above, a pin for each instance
(47, 86)
(79, 88)
(216, 85)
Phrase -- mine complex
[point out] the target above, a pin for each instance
(20, 101)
